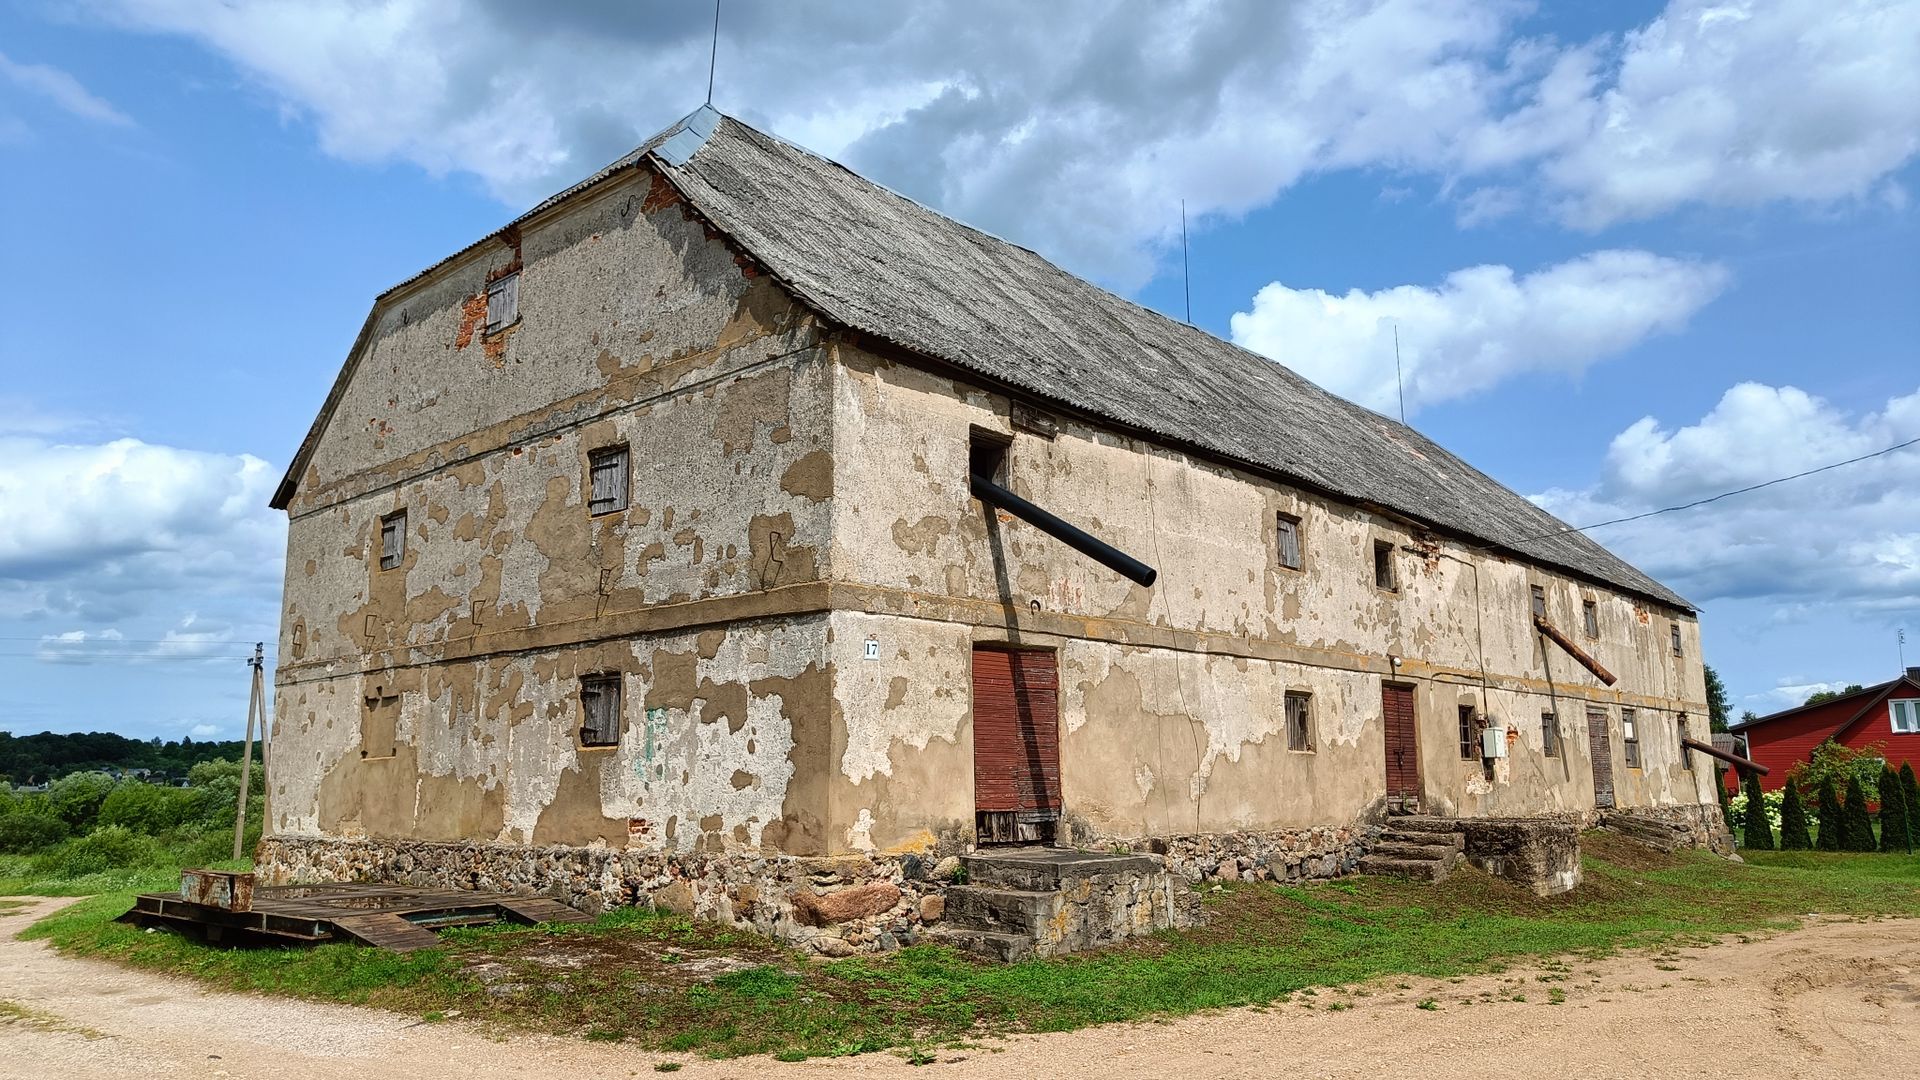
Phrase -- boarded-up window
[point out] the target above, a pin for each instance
(1590, 616)
(1539, 601)
(600, 710)
(1299, 720)
(1287, 531)
(393, 539)
(1469, 734)
(1630, 738)
(1673, 630)
(1549, 734)
(1383, 564)
(379, 722)
(503, 302)
(607, 470)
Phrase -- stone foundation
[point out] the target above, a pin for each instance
(1540, 853)
(1699, 826)
(1287, 856)
(834, 906)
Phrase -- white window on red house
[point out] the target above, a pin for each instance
(1906, 716)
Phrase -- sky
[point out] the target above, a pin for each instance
(1634, 254)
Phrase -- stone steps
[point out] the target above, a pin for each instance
(1421, 848)
(1044, 901)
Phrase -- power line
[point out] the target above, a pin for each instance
(1722, 495)
(56, 640)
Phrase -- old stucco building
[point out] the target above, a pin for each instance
(635, 554)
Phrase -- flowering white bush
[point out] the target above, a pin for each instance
(1769, 799)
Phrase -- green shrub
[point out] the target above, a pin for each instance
(1910, 791)
(1832, 816)
(1726, 801)
(110, 847)
(76, 798)
(148, 808)
(1757, 831)
(1793, 822)
(1893, 813)
(23, 831)
(1856, 825)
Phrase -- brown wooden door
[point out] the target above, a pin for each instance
(1016, 744)
(1602, 746)
(1403, 747)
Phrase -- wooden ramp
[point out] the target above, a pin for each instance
(401, 918)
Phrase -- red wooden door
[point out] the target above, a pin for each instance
(1602, 746)
(1016, 744)
(1403, 747)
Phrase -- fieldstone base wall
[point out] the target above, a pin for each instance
(1699, 825)
(835, 906)
(1282, 855)
(1540, 853)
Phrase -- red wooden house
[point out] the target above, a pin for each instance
(1888, 714)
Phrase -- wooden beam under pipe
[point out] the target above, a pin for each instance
(1541, 624)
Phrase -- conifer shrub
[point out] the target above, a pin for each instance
(1794, 835)
(1856, 825)
(1757, 833)
(1832, 816)
(1893, 813)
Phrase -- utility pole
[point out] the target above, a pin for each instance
(255, 706)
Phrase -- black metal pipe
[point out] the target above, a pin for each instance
(1074, 537)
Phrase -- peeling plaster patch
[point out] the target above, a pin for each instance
(860, 834)
(1143, 779)
(917, 693)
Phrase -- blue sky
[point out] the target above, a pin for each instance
(1636, 253)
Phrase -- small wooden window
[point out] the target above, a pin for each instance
(607, 473)
(1680, 735)
(1630, 738)
(1469, 734)
(1590, 617)
(1673, 631)
(600, 710)
(1383, 565)
(393, 539)
(1539, 601)
(503, 302)
(1287, 533)
(1549, 734)
(1299, 720)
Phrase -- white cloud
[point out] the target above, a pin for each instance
(1849, 537)
(1078, 129)
(100, 533)
(1479, 326)
(62, 90)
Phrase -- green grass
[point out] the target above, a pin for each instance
(637, 976)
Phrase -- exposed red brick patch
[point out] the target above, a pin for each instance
(660, 196)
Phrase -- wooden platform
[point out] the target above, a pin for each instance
(397, 917)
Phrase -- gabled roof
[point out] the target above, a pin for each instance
(879, 263)
(1863, 700)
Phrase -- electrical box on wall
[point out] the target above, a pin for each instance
(1493, 742)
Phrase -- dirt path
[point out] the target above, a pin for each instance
(1838, 999)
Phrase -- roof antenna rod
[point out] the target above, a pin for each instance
(1398, 381)
(713, 55)
(1186, 273)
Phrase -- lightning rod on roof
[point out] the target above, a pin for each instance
(1398, 380)
(713, 53)
(1186, 272)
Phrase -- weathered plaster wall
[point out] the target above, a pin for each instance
(440, 699)
(1171, 697)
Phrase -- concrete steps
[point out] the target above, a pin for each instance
(1420, 848)
(1025, 902)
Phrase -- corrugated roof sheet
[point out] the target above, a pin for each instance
(883, 264)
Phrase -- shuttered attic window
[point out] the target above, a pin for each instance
(1590, 617)
(393, 539)
(1287, 531)
(503, 302)
(600, 710)
(1383, 566)
(607, 473)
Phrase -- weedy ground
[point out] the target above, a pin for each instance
(668, 983)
